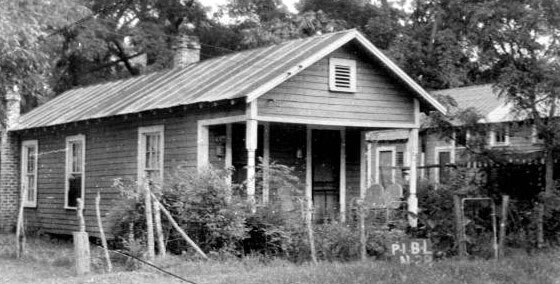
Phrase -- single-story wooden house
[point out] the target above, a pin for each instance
(306, 103)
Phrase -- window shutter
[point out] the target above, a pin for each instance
(342, 75)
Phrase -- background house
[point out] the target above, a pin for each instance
(506, 131)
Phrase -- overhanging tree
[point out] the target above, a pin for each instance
(520, 41)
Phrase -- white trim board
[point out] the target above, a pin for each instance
(319, 122)
(68, 164)
(159, 129)
(392, 149)
(24, 161)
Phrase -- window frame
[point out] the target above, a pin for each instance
(24, 171)
(333, 62)
(493, 135)
(392, 149)
(68, 168)
(535, 140)
(142, 134)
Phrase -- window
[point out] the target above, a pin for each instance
(342, 75)
(29, 156)
(462, 137)
(75, 177)
(535, 135)
(499, 136)
(150, 154)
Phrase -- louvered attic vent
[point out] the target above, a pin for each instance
(342, 73)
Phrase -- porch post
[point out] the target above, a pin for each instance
(342, 186)
(251, 145)
(308, 175)
(228, 162)
(413, 153)
(202, 145)
(266, 161)
(363, 170)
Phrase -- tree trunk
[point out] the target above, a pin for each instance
(433, 33)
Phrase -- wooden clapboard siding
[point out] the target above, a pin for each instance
(378, 98)
(111, 153)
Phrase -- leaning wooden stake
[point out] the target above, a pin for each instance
(503, 223)
(461, 246)
(102, 232)
(20, 230)
(362, 213)
(81, 243)
(149, 222)
(181, 232)
(159, 230)
(309, 224)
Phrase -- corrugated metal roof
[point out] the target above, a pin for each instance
(482, 98)
(227, 77)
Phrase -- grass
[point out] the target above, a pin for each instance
(50, 261)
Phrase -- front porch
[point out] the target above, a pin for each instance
(332, 161)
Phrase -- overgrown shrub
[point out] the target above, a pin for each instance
(436, 209)
(204, 200)
(200, 201)
(277, 228)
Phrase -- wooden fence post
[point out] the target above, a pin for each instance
(159, 229)
(459, 225)
(149, 221)
(81, 243)
(309, 224)
(503, 223)
(362, 224)
(20, 229)
(102, 232)
(178, 228)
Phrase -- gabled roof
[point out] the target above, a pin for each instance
(484, 100)
(248, 74)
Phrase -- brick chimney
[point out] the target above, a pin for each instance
(13, 107)
(186, 46)
(9, 163)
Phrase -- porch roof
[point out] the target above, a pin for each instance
(248, 74)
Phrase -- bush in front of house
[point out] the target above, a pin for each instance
(201, 202)
(206, 202)
(436, 214)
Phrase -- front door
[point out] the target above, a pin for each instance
(386, 167)
(325, 173)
